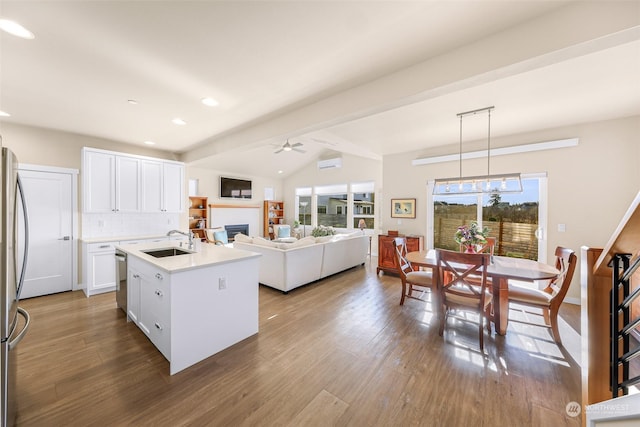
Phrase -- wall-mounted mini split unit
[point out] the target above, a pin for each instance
(330, 163)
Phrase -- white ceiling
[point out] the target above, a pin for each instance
(304, 71)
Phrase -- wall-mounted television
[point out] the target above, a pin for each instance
(235, 188)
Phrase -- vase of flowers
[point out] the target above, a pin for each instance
(470, 236)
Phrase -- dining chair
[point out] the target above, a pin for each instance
(462, 281)
(550, 298)
(412, 280)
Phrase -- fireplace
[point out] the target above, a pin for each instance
(234, 229)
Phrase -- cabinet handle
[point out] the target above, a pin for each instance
(158, 326)
(159, 276)
(136, 276)
(104, 246)
(159, 292)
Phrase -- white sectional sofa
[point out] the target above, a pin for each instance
(286, 266)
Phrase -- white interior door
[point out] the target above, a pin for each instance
(50, 209)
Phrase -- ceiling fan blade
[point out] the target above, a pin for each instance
(277, 151)
(297, 144)
(298, 150)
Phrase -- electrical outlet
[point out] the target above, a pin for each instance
(222, 283)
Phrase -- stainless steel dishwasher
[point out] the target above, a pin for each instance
(121, 280)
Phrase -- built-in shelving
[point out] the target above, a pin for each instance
(198, 216)
(273, 214)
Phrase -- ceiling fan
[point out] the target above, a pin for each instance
(290, 147)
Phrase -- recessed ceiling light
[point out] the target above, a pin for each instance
(3, 114)
(178, 121)
(150, 143)
(280, 171)
(15, 29)
(209, 102)
(132, 101)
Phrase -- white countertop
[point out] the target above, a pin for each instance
(204, 255)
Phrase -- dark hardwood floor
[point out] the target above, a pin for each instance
(338, 352)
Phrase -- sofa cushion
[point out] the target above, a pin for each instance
(242, 238)
(305, 241)
(323, 239)
(260, 241)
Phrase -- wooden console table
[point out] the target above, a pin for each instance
(387, 251)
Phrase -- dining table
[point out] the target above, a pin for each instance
(500, 271)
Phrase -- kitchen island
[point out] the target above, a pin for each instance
(194, 304)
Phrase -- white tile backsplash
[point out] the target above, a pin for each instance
(127, 224)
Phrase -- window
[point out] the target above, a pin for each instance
(339, 205)
(514, 219)
(363, 204)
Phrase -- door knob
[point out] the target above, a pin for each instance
(65, 238)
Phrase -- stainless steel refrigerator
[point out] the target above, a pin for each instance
(14, 238)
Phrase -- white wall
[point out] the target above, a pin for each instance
(208, 187)
(590, 186)
(354, 169)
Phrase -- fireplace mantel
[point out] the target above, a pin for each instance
(217, 206)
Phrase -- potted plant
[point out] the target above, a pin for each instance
(322, 230)
(470, 236)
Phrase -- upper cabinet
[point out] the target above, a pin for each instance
(115, 182)
(162, 186)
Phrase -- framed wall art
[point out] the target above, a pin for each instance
(403, 208)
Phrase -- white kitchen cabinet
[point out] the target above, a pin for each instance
(127, 184)
(133, 295)
(111, 182)
(162, 186)
(194, 312)
(98, 173)
(173, 185)
(149, 298)
(99, 267)
(155, 312)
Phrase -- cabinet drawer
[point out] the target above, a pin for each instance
(160, 335)
(100, 247)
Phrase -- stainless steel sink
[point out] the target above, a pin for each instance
(165, 252)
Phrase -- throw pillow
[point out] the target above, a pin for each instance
(260, 241)
(284, 231)
(221, 236)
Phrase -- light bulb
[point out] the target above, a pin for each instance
(503, 185)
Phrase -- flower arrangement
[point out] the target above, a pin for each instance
(471, 235)
(323, 231)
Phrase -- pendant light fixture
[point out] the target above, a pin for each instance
(503, 183)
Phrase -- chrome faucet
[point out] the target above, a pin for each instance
(189, 235)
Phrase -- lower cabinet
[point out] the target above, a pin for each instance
(155, 312)
(148, 303)
(387, 260)
(133, 295)
(99, 267)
